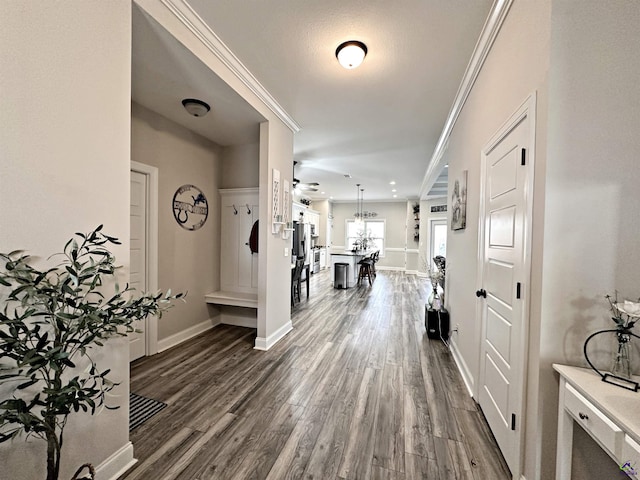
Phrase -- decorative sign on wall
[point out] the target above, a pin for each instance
(438, 208)
(286, 203)
(276, 213)
(190, 207)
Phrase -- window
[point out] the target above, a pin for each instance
(438, 238)
(375, 230)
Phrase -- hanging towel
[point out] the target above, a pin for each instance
(253, 238)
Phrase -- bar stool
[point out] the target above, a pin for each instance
(366, 270)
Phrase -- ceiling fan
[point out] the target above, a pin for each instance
(304, 186)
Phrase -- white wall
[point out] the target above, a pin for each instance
(64, 167)
(274, 294)
(426, 216)
(592, 198)
(581, 59)
(188, 261)
(516, 67)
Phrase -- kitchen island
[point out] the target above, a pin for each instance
(351, 258)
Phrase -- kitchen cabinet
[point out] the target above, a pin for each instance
(323, 258)
(313, 218)
(302, 213)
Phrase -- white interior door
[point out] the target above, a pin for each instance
(505, 271)
(138, 256)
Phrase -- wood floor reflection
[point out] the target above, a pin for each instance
(355, 391)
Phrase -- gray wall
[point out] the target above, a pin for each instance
(64, 168)
(592, 200)
(581, 60)
(240, 166)
(395, 216)
(188, 261)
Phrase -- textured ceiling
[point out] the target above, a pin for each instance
(377, 123)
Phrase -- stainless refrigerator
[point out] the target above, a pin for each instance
(302, 241)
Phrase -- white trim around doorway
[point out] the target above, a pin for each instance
(152, 248)
(527, 110)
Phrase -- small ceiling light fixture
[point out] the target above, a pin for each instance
(196, 107)
(351, 54)
(392, 182)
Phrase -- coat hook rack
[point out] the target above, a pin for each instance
(235, 210)
(248, 209)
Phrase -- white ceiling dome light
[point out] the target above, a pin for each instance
(196, 107)
(351, 54)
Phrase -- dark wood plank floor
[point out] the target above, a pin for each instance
(355, 391)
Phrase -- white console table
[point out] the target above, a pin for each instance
(609, 414)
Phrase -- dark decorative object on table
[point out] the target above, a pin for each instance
(436, 316)
(305, 201)
(625, 315)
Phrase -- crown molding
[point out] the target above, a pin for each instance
(483, 46)
(190, 19)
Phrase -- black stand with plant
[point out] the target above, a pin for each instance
(51, 319)
(436, 316)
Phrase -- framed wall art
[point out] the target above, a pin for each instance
(276, 212)
(459, 202)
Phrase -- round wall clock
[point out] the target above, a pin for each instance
(190, 207)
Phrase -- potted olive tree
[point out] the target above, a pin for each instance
(51, 320)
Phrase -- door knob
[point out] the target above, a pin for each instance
(481, 293)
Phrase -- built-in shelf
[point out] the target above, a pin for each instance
(234, 299)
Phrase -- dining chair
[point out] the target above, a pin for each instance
(296, 282)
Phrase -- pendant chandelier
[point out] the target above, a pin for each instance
(358, 214)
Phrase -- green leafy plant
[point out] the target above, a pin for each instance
(52, 319)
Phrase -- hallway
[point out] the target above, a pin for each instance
(356, 390)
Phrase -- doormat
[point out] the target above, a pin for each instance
(142, 409)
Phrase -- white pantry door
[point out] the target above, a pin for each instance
(138, 257)
(505, 271)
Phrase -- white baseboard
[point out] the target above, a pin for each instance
(422, 275)
(462, 367)
(395, 269)
(186, 334)
(411, 272)
(116, 464)
(266, 343)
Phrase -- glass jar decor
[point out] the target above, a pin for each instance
(625, 315)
